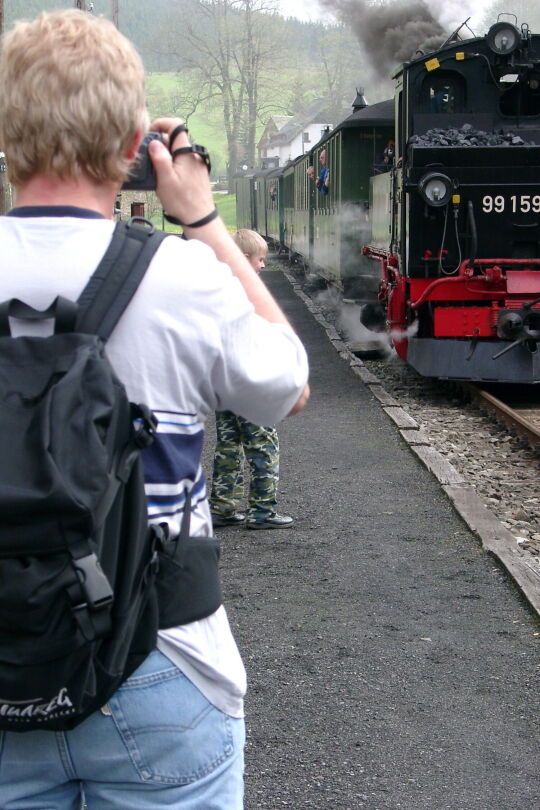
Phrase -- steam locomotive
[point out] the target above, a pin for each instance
(452, 219)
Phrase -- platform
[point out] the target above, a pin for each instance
(392, 661)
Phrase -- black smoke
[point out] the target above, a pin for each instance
(390, 34)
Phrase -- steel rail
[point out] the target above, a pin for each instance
(511, 417)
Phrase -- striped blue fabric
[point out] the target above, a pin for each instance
(172, 465)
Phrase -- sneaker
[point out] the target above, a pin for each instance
(272, 522)
(228, 520)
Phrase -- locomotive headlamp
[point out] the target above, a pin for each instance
(435, 189)
(503, 38)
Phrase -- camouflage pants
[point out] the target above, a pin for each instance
(238, 441)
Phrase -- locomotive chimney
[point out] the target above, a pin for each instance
(360, 101)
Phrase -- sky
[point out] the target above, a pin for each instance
(302, 9)
(449, 12)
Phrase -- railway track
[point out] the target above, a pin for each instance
(517, 408)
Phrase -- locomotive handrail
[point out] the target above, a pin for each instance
(429, 289)
(465, 273)
(506, 262)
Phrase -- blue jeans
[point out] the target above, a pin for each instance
(157, 743)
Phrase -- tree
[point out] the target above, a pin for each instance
(526, 11)
(342, 68)
(228, 45)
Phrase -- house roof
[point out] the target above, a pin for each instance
(315, 113)
(280, 120)
(274, 124)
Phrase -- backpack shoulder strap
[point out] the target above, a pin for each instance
(117, 277)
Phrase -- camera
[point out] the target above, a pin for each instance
(142, 176)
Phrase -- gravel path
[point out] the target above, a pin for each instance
(392, 663)
(501, 467)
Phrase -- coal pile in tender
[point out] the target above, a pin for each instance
(467, 136)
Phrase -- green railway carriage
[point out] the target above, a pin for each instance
(354, 151)
(326, 231)
(298, 209)
(259, 202)
(274, 206)
(254, 200)
(288, 206)
(245, 202)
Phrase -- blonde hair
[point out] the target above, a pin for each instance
(71, 97)
(250, 242)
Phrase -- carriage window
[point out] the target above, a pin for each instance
(443, 93)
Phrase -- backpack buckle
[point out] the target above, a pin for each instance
(95, 585)
(142, 223)
(147, 423)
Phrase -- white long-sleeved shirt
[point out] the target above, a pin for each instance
(188, 344)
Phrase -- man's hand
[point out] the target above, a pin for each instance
(183, 185)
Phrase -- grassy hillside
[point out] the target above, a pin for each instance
(225, 203)
(205, 125)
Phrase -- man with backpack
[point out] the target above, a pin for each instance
(95, 702)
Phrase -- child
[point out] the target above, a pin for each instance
(238, 439)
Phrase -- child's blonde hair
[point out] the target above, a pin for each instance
(250, 243)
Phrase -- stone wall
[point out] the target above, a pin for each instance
(139, 203)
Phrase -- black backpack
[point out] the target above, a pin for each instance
(78, 559)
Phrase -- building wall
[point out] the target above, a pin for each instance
(296, 147)
(145, 201)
